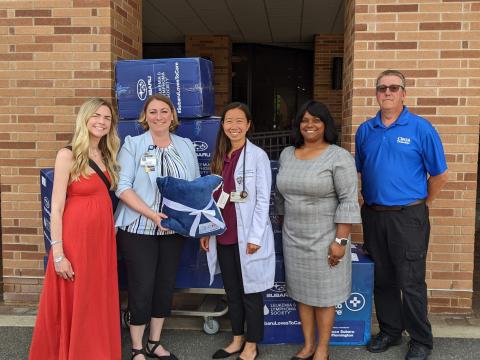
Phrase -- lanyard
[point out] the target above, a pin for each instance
(244, 194)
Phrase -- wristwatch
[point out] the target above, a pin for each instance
(341, 241)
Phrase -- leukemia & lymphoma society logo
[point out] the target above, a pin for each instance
(355, 302)
(141, 89)
(200, 146)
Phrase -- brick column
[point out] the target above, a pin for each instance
(435, 43)
(327, 46)
(217, 48)
(53, 56)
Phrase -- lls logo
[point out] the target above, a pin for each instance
(141, 89)
(200, 146)
(355, 302)
(403, 140)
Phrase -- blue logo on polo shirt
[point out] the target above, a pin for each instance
(403, 140)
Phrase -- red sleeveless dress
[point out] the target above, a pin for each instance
(80, 320)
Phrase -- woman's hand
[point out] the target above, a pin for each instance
(335, 253)
(252, 248)
(204, 242)
(157, 218)
(64, 268)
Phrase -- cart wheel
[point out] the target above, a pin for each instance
(211, 326)
(125, 318)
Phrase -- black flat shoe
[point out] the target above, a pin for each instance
(222, 354)
(151, 352)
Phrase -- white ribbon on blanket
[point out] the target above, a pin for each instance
(209, 214)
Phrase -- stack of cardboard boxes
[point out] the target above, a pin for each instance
(188, 82)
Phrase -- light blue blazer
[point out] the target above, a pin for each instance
(133, 176)
(253, 223)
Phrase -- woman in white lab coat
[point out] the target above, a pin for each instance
(245, 252)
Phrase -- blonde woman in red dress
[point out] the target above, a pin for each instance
(78, 315)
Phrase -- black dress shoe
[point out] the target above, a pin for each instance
(417, 351)
(222, 354)
(381, 342)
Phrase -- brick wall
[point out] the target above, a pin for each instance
(327, 46)
(217, 48)
(53, 55)
(437, 45)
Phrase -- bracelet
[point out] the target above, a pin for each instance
(53, 242)
(58, 258)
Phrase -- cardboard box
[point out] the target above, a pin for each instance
(128, 127)
(203, 133)
(353, 322)
(46, 188)
(188, 82)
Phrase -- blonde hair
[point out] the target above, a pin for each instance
(108, 145)
(143, 115)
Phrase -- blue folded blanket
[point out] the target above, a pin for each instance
(190, 207)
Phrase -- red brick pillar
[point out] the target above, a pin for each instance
(436, 45)
(217, 48)
(327, 47)
(52, 58)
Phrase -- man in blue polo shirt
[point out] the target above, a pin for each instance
(402, 164)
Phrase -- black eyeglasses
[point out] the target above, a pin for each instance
(392, 88)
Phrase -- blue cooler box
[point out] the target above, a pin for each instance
(353, 321)
(188, 82)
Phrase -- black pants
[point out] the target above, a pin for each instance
(152, 263)
(397, 241)
(242, 308)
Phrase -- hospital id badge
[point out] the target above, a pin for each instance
(235, 196)
(222, 200)
(149, 161)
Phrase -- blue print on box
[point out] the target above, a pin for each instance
(203, 133)
(46, 188)
(353, 316)
(188, 82)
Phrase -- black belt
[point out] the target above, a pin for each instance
(394, 207)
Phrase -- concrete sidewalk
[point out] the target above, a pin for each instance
(446, 326)
(456, 337)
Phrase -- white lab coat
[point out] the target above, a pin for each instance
(253, 223)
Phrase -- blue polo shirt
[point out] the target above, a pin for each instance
(394, 161)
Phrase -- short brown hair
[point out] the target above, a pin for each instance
(391, 72)
(143, 115)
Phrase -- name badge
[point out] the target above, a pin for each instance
(235, 196)
(222, 200)
(149, 161)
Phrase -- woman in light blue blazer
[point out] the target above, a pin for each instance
(245, 252)
(151, 252)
